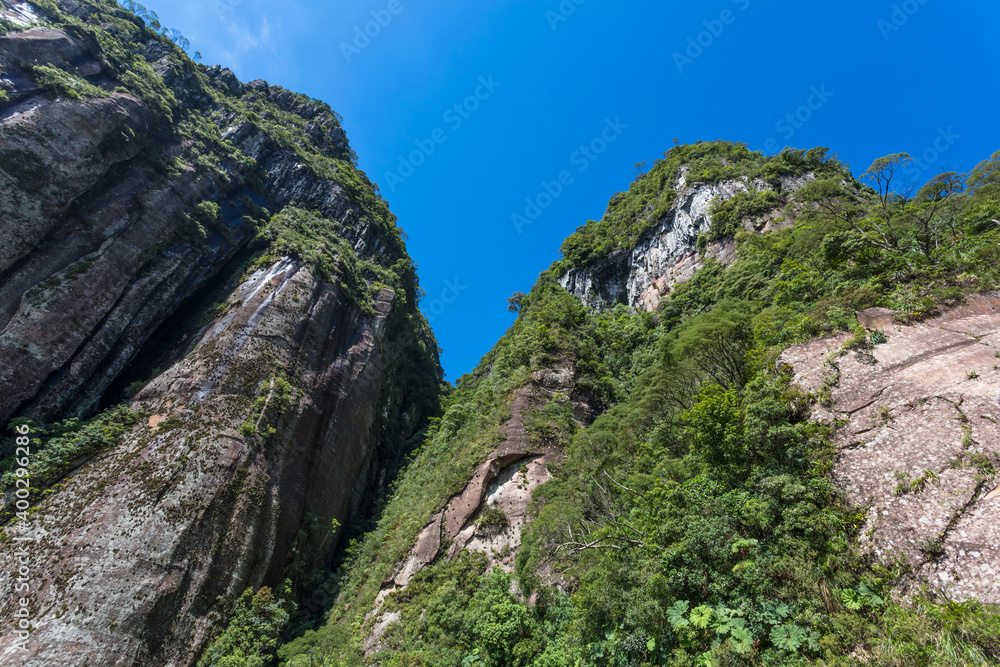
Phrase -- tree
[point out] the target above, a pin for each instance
(941, 187)
(333, 643)
(934, 212)
(983, 217)
(515, 302)
(833, 198)
(986, 176)
(501, 621)
(898, 222)
(717, 343)
(251, 637)
(881, 175)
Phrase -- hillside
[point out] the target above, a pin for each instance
(748, 417)
(631, 476)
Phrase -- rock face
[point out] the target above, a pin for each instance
(491, 512)
(134, 551)
(919, 441)
(667, 254)
(74, 313)
(287, 395)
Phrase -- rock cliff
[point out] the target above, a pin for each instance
(668, 252)
(210, 337)
(196, 260)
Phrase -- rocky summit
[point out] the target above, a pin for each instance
(748, 417)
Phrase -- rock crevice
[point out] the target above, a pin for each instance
(920, 447)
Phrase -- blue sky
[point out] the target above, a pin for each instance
(538, 81)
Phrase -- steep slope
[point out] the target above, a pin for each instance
(566, 374)
(199, 262)
(661, 231)
(686, 500)
(669, 252)
(918, 443)
(195, 268)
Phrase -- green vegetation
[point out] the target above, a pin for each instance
(695, 521)
(728, 215)
(184, 144)
(196, 112)
(153, 21)
(251, 638)
(649, 198)
(311, 238)
(907, 485)
(320, 243)
(57, 448)
(493, 517)
(328, 645)
(58, 82)
(453, 614)
(202, 220)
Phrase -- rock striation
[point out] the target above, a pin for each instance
(269, 395)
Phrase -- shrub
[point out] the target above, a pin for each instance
(251, 637)
(62, 445)
(58, 82)
(329, 644)
(729, 215)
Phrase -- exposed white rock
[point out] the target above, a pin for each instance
(21, 14)
(667, 254)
